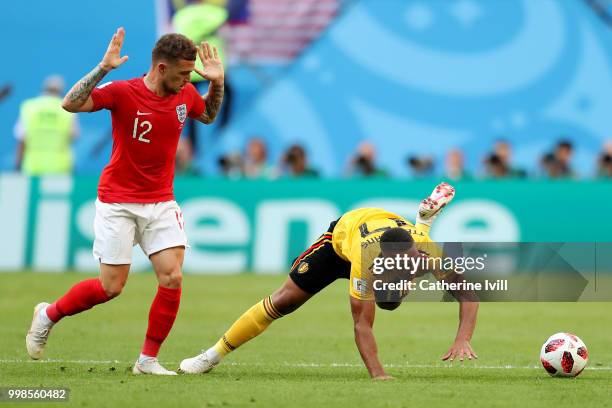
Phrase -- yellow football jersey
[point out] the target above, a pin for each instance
(356, 239)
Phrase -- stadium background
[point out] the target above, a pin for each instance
(413, 78)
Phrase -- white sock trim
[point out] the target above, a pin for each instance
(144, 357)
(45, 317)
(213, 356)
(425, 221)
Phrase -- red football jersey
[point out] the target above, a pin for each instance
(146, 130)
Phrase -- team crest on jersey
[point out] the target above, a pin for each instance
(181, 112)
(303, 268)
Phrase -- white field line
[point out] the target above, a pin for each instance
(465, 364)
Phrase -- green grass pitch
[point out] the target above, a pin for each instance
(306, 359)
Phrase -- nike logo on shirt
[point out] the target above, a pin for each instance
(143, 113)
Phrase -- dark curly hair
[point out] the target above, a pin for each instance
(174, 47)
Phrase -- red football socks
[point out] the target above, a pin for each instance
(88, 293)
(82, 296)
(161, 318)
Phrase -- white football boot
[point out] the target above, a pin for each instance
(431, 207)
(37, 336)
(150, 365)
(198, 364)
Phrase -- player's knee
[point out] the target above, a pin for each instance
(289, 297)
(284, 303)
(172, 279)
(175, 280)
(113, 289)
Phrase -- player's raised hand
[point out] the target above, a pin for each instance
(112, 58)
(211, 63)
(460, 349)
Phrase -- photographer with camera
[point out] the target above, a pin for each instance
(231, 165)
(363, 163)
(420, 166)
(604, 161)
(294, 164)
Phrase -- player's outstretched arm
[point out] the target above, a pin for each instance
(213, 71)
(468, 312)
(363, 318)
(78, 99)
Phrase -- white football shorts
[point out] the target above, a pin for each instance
(118, 227)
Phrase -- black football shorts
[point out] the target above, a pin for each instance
(319, 265)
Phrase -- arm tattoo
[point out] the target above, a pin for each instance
(212, 99)
(82, 89)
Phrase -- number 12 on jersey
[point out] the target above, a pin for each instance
(144, 127)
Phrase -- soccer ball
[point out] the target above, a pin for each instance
(564, 355)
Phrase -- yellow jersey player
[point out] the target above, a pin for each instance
(340, 253)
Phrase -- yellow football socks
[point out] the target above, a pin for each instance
(251, 324)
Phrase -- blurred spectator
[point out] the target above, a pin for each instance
(605, 166)
(231, 165)
(496, 167)
(563, 154)
(5, 91)
(184, 158)
(363, 164)
(295, 164)
(558, 163)
(498, 164)
(420, 166)
(503, 150)
(45, 132)
(604, 162)
(455, 165)
(550, 166)
(256, 161)
(200, 21)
